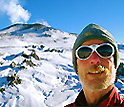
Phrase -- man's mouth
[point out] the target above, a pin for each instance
(95, 72)
(97, 69)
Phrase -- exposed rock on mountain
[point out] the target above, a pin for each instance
(14, 79)
(120, 70)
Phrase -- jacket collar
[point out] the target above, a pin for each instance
(104, 101)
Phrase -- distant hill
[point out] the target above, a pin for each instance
(36, 67)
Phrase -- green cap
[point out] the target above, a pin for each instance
(90, 32)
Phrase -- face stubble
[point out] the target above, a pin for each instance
(100, 80)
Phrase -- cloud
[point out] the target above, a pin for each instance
(43, 22)
(15, 11)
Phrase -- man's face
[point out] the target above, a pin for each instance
(106, 72)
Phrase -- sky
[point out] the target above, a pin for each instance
(66, 15)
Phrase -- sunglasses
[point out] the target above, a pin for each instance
(104, 50)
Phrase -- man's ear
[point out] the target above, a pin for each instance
(77, 66)
(77, 70)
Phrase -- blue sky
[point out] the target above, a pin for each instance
(67, 15)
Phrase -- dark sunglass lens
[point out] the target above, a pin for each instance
(105, 50)
(84, 52)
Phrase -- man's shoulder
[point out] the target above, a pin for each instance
(70, 105)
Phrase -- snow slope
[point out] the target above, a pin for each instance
(36, 67)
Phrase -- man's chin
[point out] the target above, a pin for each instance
(97, 86)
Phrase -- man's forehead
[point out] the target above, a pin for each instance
(94, 41)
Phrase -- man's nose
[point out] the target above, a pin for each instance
(94, 59)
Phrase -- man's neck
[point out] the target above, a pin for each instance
(93, 96)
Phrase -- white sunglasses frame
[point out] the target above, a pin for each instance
(94, 48)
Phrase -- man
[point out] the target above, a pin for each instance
(95, 60)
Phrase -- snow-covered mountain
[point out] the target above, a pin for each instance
(36, 67)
